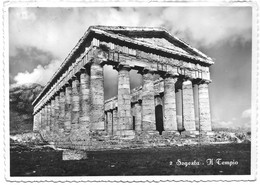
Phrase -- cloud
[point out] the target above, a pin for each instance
(231, 125)
(57, 30)
(41, 74)
(209, 26)
(27, 59)
(246, 113)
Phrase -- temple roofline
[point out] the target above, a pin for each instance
(104, 30)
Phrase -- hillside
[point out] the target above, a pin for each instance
(21, 109)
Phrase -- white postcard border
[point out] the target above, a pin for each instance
(195, 178)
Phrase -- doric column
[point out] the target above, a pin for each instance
(57, 113)
(204, 107)
(148, 106)
(115, 121)
(62, 110)
(138, 116)
(75, 101)
(48, 115)
(188, 106)
(97, 96)
(196, 104)
(179, 107)
(40, 120)
(170, 121)
(124, 99)
(43, 118)
(110, 123)
(36, 121)
(85, 97)
(52, 113)
(68, 107)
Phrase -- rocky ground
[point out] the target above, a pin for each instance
(174, 160)
(30, 156)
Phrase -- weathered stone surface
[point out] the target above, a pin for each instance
(204, 107)
(85, 97)
(138, 116)
(68, 108)
(97, 96)
(62, 111)
(48, 115)
(42, 126)
(170, 121)
(36, 120)
(124, 100)
(188, 106)
(75, 101)
(52, 114)
(148, 107)
(196, 105)
(45, 117)
(110, 123)
(115, 121)
(57, 113)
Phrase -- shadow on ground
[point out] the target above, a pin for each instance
(148, 161)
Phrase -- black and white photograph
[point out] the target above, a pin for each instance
(130, 90)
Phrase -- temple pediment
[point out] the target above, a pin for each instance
(155, 38)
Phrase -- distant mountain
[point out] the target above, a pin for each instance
(21, 109)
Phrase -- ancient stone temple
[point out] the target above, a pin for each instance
(71, 110)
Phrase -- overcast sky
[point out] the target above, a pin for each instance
(41, 38)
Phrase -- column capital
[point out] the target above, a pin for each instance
(121, 66)
(109, 110)
(68, 83)
(76, 76)
(146, 71)
(83, 69)
(139, 101)
(201, 81)
(96, 61)
(187, 80)
(62, 89)
(168, 75)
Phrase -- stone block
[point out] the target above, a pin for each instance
(68, 155)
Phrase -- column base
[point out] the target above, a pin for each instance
(190, 133)
(172, 133)
(151, 133)
(126, 134)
